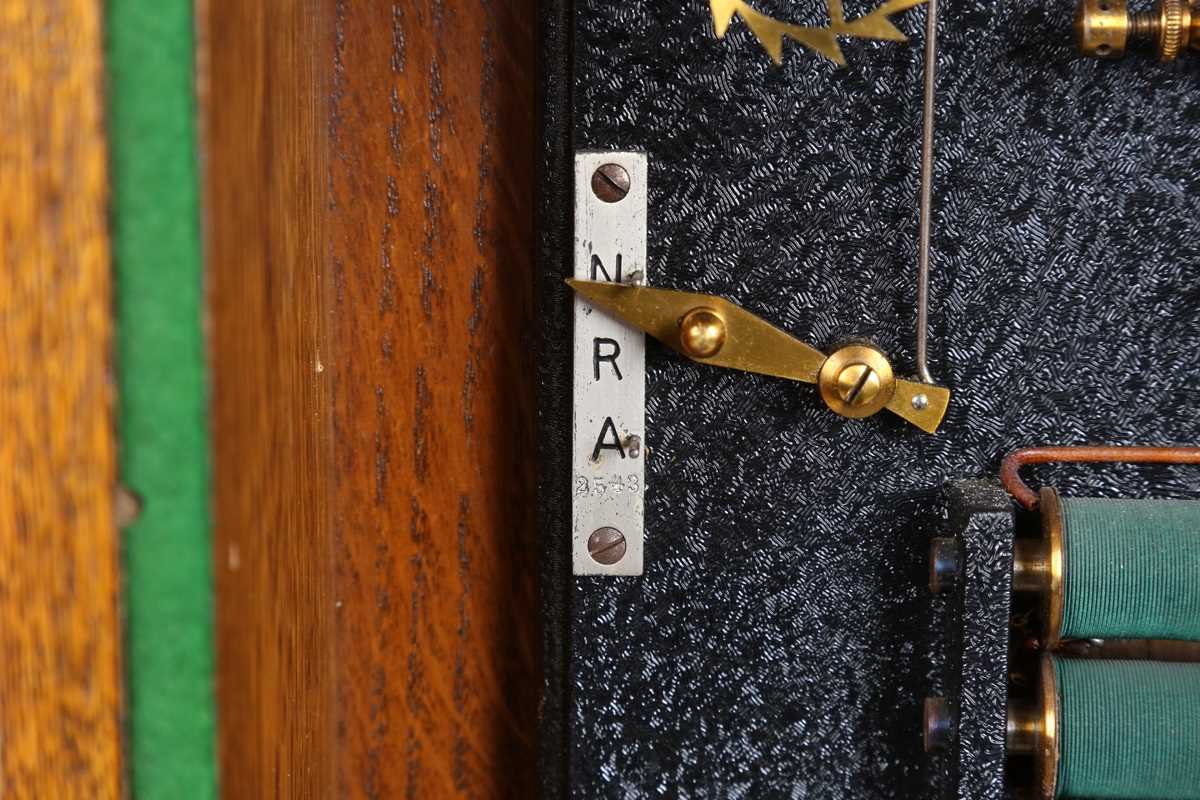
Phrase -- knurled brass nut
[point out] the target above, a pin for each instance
(1104, 28)
(1174, 28)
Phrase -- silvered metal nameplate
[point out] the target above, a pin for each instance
(608, 436)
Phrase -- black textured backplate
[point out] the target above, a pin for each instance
(778, 643)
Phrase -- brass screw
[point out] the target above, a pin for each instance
(1103, 28)
(610, 182)
(858, 384)
(856, 381)
(702, 333)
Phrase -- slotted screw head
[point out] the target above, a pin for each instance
(858, 384)
(856, 381)
(610, 182)
(606, 546)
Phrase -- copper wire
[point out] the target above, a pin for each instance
(1011, 466)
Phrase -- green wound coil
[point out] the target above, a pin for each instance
(1128, 729)
(1131, 569)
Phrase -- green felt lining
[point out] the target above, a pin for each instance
(160, 361)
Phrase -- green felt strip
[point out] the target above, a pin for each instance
(1131, 569)
(164, 448)
(1130, 729)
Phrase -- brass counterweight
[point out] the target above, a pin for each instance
(1104, 28)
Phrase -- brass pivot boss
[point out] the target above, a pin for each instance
(1104, 28)
(856, 381)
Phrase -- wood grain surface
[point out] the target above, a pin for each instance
(370, 185)
(60, 659)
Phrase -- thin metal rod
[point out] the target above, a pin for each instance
(926, 193)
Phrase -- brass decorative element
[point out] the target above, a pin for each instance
(856, 381)
(1174, 28)
(1104, 28)
(922, 404)
(771, 32)
(751, 344)
(701, 333)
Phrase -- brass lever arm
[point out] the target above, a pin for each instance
(855, 382)
(749, 343)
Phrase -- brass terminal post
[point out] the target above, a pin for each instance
(1104, 28)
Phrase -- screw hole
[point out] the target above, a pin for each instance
(1104, 50)
(1105, 7)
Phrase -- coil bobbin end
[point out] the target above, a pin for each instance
(1033, 730)
(1052, 597)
